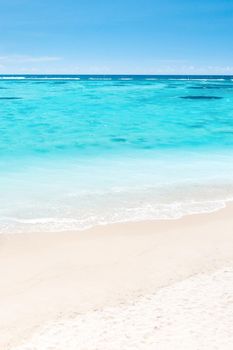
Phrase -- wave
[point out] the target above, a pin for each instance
(92, 78)
(109, 78)
(38, 78)
(63, 78)
(40, 220)
(13, 78)
(173, 211)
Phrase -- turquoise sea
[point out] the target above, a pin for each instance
(76, 151)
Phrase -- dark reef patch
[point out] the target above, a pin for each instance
(58, 82)
(197, 87)
(119, 139)
(173, 86)
(10, 98)
(212, 86)
(196, 126)
(201, 97)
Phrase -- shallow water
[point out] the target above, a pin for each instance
(76, 151)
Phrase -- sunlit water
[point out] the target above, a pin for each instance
(76, 151)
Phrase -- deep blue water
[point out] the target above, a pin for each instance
(81, 150)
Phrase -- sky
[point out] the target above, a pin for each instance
(116, 36)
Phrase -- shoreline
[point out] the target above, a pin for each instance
(219, 205)
(46, 277)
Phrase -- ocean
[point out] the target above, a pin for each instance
(78, 151)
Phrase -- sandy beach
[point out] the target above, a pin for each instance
(127, 269)
(116, 175)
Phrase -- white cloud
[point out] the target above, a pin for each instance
(16, 59)
(29, 64)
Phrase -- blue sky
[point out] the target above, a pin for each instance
(116, 36)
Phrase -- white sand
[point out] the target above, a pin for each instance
(49, 277)
(196, 314)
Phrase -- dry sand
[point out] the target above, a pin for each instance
(194, 314)
(54, 277)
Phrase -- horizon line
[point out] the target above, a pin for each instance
(114, 74)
